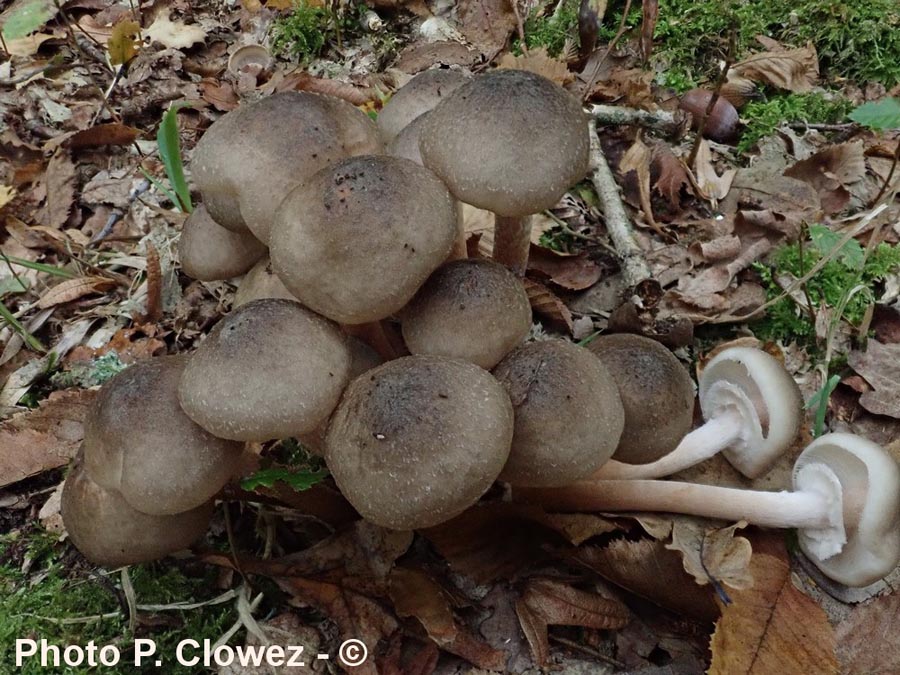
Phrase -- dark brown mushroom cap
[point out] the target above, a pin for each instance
(422, 93)
(473, 310)
(270, 369)
(508, 141)
(418, 440)
(252, 157)
(110, 532)
(406, 143)
(356, 241)
(208, 251)
(259, 283)
(657, 393)
(568, 413)
(139, 442)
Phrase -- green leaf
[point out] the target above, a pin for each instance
(170, 153)
(12, 285)
(826, 241)
(25, 17)
(297, 480)
(819, 401)
(880, 115)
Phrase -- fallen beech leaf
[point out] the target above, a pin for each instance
(546, 305)
(880, 366)
(285, 630)
(831, 171)
(772, 627)
(713, 555)
(124, 41)
(487, 24)
(711, 185)
(538, 61)
(773, 204)
(320, 85)
(220, 95)
(637, 159)
(572, 272)
(671, 175)
(795, 70)
(420, 56)
(28, 45)
(103, 134)
(174, 34)
(59, 183)
(546, 602)
(72, 289)
(45, 438)
(868, 639)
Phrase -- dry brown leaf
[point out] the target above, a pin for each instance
(538, 61)
(285, 630)
(59, 183)
(572, 272)
(174, 34)
(772, 205)
(130, 344)
(772, 627)
(831, 171)
(487, 24)
(220, 94)
(631, 87)
(420, 56)
(795, 70)
(713, 554)
(320, 85)
(880, 366)
(113, 133)
(637, 159)
(45, 438)
(546, 602)
(72, 289)
(671, 173)
(868, 639)
(549, 307)
(711, 185)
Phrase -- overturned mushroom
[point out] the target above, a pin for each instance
(270, 369)
(422, 93)
(845, 505)
(139, 442)
(657, 394)
(752, 408)
(208, 251)
(511, 142)
(418, 440)
(568, 414)
(356, 241)
(474, 310)
(247, 161)
(109, 531)
(259, 283)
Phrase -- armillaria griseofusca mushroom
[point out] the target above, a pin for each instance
(752, 408)
(511, 142)
(208, 252)
(422, 93)
(418, 440)
(259, 283)
(845, 505)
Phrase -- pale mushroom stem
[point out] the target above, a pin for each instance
(512, 240)
(769, 509)
(702, 443)
(459, 250)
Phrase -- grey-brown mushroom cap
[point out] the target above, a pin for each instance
(568, 413)
(209, 252)
(109, 531)
(422, 93)
(252, 157)
(418, 440)
(139, 442)
(259, 283)
(355, 242)
(473, 310)
(270, 369)
(508, 141)
(657, 393)
(406, 143)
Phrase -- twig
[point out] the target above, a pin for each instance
(657, 120)
(587, 650)
(701, 127)
(520, 27)
(890, 177)
(803, 126)
(622, 25)
(634, 265)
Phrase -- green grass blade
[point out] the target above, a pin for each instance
(171, 196)
(170, 153)
(41, 267)
(30, 340)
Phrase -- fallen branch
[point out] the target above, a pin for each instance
(661, 121)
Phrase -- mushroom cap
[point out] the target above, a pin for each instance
(657, 394)
(568, 414)
(406, 143)
(270, 369)
(473, 310)
(422, 93)
(139, 442)
(355, 242)
(418, 440)
(209, 252)
(249, 160)
(870, 488)
(756, 385)
(110, 532)
(508, 141)
(259, 283)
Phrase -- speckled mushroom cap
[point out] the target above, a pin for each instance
(109, 531)
(270, 369)
(208, 251)
(406, 143)
(422, 93)
(473, 310)
(252, 157)
(139, 442)
(657, 394)
(508, 141)
(260, 282)
(418, 440)
(569, 416)
(356, 241)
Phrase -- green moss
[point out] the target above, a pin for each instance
(546, 28)
(763, 117)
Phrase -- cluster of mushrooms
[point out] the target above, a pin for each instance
(337, 222)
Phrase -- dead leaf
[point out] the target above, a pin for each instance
(538, 61)
(130, 344)
(880, 366)
(831, 171)
(59, 182)
(286, 630)
(711, 185)
(72, 289)
(671, 175)
(221, 95)
(420, 56)
(546, 305)
(572, 272)
(174, 34)
(487, 24)
(7, 194)
(124, 41)
(113, 133)
(45, 438)
(795, 70)
(547, 602)
(713, 554)
(868, 640)
(637, 159)
(772, 627)
(629, 86)
(771, 204)
(319, 85)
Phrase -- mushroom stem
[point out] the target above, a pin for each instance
(802, 509)
(512, 239)
(699, 445)
(459, 250)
